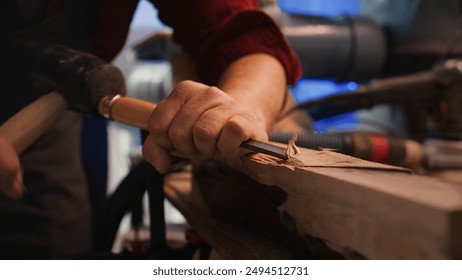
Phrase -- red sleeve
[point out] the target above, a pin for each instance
(217, 32)
(112, 23)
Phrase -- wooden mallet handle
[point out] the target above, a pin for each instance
(26, 126)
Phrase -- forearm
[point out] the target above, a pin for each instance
(258, 83)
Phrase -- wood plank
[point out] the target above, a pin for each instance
(229, 241)
(336, 203)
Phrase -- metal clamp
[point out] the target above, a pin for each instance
(105, 105)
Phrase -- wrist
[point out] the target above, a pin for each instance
(258, 83)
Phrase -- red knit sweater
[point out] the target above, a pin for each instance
(213, 32)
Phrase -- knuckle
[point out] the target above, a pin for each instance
(214, 89)
(157, 129)
(183, 87)
(177, 135)
(235, 125)
(202, 132)
(204, 141)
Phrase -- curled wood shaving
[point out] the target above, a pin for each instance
(292, 149)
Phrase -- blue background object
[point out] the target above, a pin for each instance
(307, 89)
(326, 8)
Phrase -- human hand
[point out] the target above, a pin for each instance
(10, 171)
(196, 120)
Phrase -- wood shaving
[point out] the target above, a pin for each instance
(290, 163)
(292, 150)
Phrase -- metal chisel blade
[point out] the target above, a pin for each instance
(265, 148)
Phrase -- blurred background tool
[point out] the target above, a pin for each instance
(369, 146)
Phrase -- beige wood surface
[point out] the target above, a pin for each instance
(353, 207)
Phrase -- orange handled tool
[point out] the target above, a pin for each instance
(137, 112)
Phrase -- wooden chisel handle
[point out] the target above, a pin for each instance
(127, 110)
(26, 126)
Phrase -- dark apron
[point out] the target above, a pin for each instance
(53, 220)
